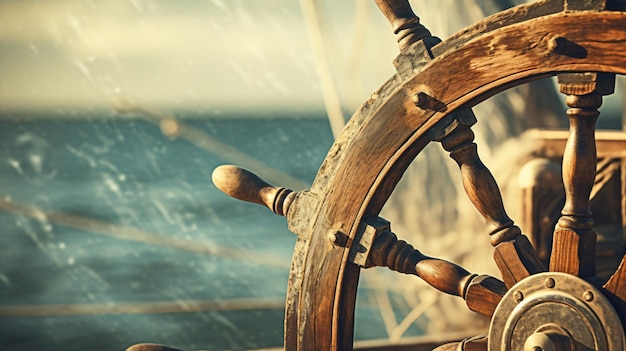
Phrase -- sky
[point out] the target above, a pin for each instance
(178, 54)
(209, 55)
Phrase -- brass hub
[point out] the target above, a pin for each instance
(555, 312)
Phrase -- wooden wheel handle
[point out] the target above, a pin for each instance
(244, 185)
(406, 25)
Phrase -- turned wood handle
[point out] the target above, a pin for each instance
(579, 160)
(244, 185)
(481, 293)
(406, 25)
(400, 256)
(397, 13)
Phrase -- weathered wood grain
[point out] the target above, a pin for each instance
(616, 288)
(574, 242)
(516, 259)
(483, 294)
(398, 255)
(370, 156)
(514, 254)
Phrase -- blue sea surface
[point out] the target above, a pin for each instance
(125, 173)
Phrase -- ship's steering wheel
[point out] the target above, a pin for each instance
(430, 99)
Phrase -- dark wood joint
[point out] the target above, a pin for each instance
(583, 83)
(368, 231)
(414, 40)
(483, 294)
(564, 46)
(585, 5)
(574, 242)
(460, 118)
(594, 5)
(575, 253)
(517, 260)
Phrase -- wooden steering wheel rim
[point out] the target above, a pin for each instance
(386, 134)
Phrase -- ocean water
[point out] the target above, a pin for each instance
(102, 215)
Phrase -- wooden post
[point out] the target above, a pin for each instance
(574, 241)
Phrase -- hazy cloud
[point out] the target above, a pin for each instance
(78, 52)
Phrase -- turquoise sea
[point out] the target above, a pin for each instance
(113, 233)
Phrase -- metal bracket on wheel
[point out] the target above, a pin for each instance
(368, 230)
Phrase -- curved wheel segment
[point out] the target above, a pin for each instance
(430, 99)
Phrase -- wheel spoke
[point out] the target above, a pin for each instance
(400, 256)
(405, 23)
(574, 241)
(484, 294)
(615, 289)
(387, 133)
(377, 246)
(617, 282)
(513, 254)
